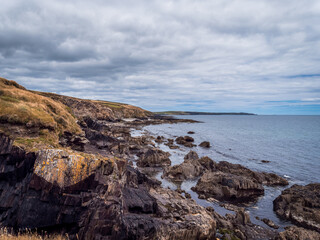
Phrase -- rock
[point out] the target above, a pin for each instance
(207, 163)
(191, 132)
(270, 223)
(205, 144)
(189, 169)
(92, 197)
(301, 205)
(159, 139)
(297, 233)
(154, 158)
(265, 161)
(185, 141)
(192, 155)
(269, 179)
(228, 187)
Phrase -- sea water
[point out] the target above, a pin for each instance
(290, 144)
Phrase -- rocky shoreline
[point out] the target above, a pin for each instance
(99, 181)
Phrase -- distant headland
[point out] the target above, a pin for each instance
(201, 113)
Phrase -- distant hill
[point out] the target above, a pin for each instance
(201, 113)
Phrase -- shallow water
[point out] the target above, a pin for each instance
(290, 143)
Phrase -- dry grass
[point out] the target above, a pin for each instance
(21, 107)
(6, 234)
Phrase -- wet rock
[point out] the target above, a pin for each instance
(160, 139)
(191, 132)
(270, 223)
(229, 187)
(185, 141)
(205, 144)
(265, 161)
(297, 233)
(301, 205)
(154, 158)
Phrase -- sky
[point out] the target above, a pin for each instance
(219, 56)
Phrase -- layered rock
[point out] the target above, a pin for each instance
(301, 205)
(92, 197)
(185, 141)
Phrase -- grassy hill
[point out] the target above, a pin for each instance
(201, 113)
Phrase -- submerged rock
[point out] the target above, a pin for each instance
(301, 205)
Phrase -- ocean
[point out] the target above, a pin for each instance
(290, 144)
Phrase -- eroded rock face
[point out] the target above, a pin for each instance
(110, 200)
(297, 233)
(154, 158)
(301, 205)
(229, 187)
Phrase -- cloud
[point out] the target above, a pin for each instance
(167, 55)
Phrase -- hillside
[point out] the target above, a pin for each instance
(38, 119)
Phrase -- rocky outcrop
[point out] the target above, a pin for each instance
(92, 197)
(228, 187)
(301, 205)
(297, 233)
(154, 158)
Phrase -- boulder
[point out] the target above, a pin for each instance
(191, 132)
(301, 205)
(270, 223)
(205, 144)
(192, 155)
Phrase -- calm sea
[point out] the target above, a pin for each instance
(291, 144)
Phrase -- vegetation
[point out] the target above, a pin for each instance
(6, 234)
(27, 110)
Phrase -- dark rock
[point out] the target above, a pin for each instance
(154, 158)
(265, 161)
(301, 205)
(205, 144)
(297, 233)
(191, 132)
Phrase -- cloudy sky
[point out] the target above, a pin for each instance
(223, 55)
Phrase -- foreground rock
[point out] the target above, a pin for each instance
(297, 233)
(92, 197)
(301, 205)
(154, 158)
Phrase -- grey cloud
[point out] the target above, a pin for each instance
(162, 55)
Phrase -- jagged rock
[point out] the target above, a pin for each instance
(205, 144)
(108, 200)
(301, 205)
(297, 233)
(229, 187)
(154, 158)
